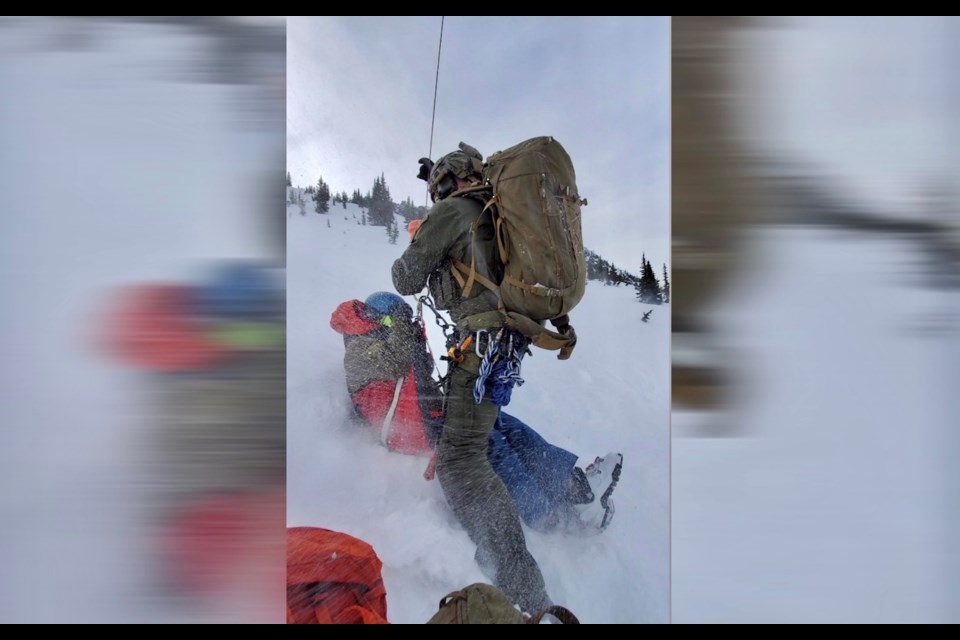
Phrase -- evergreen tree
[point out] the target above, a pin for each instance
(322, 199)
(648, 289)
(601, 270)
(381, 206)
(289, 182)
(614, 276)
(393, 232)
(410, 211)
(666, 285)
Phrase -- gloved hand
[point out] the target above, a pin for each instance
(426, 166)
(567, 351)
(564, 328)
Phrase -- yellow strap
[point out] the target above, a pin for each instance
(472, 275)
(456, 274)
(468, 287)
(501, 243)
(499, 233)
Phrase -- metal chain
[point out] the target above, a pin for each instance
(447, 328)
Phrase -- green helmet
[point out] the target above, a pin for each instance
(467, 164)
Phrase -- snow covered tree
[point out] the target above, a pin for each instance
(593, 264)
(289, 182)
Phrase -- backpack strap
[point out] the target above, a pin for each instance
(564, 339)
(469, 190)
(538, 291)
(492, 319)
(458, 268)
(388, 419)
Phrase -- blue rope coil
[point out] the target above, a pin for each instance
(502, 372)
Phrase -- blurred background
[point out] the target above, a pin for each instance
(141, 269)
(815, 306)
(816, 247)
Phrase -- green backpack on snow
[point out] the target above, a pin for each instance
(485, 604)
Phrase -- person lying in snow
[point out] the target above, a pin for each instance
(388, 371)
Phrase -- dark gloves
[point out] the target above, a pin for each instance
(426, 166)
(568, 332)
(565, 329)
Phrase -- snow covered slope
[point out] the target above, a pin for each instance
(613, 395)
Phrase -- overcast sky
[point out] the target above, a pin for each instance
(360, 94)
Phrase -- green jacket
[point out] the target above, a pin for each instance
(445, 236)
(381, 355)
